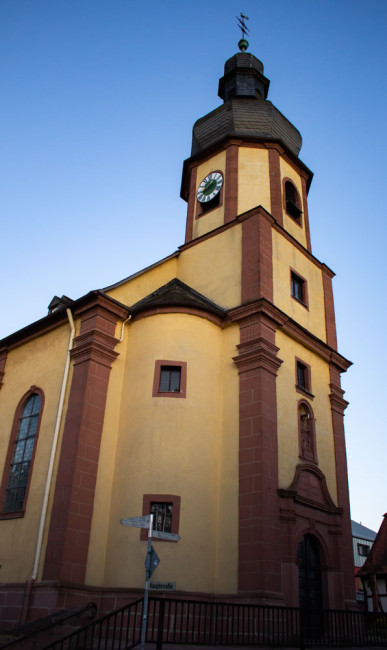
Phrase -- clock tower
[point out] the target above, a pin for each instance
(244, 175)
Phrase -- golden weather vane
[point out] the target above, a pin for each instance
(243, 43)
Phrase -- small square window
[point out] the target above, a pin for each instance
(298, 288)
(170, 379)
(166, 511)
(162, 516)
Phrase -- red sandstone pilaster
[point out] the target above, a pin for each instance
(231, 189)
(275, 184)
(259, 565)
(345, 553)
(257, 256)
(191, 205)
(71, 516)
(306, 213)
(330, 321)
(3, 360)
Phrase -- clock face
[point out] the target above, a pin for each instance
(209, 187)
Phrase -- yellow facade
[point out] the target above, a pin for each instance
(30, 365)
(254, 185)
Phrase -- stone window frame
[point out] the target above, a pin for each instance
(34, 390)
(147, 499)
(159, 363)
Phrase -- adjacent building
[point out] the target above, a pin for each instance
(205, 389)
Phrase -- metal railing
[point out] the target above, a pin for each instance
(208, 623)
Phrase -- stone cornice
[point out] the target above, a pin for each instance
(338, 403)
(95, 346)
(290, 327)
(258, 353)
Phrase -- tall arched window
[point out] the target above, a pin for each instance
(307, 435)
(20, 454)
(292, 202)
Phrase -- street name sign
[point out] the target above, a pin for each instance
(158, 534)
(162, 586)
(136, 522)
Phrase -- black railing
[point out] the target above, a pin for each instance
(208, 623)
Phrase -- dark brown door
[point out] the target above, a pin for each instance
(310, 586)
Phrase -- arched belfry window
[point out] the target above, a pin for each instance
(307, 434)
(17, 472)
(292, 202)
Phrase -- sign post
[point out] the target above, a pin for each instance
(151, 561)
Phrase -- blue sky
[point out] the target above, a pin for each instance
(98, 99)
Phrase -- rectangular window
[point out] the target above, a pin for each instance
(298, 288)
(363, 550)
(303, 378)
(170, 379)
(166, 511)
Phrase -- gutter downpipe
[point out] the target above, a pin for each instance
(50, 470)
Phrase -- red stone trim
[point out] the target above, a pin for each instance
(275, 184)
(257, 256)
(259, 565)
(201, 313)
(290, 327)
(294, 491)
(306, 212)
(3, 361)
(34, 390)
(298, 203)
(72, 510)
(162, 498)
(330, 321)
(183, 379)
(231, 192)
(191, 204)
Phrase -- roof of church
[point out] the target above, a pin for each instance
(245, 112)
(177, 293)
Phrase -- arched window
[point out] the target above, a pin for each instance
(307, 435)
(20, 453)
(292, 202)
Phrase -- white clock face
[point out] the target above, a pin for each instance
(209, 187)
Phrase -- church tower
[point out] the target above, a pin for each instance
(294, 538)
(204, 389)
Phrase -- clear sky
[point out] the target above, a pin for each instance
(98, 99)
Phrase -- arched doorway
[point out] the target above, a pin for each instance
(310, 586)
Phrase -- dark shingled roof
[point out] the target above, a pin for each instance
(177, 294)
(246, 111)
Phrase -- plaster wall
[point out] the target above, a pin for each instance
(288, 398)
(30, 365)
(214, 218)
(286, 257)
(253, 177)
(214, 267)
(164, 445)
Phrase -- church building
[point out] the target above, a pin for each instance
(204, 389)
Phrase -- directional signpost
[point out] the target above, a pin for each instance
(151, 561)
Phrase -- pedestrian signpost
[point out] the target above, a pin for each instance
(151, 561)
